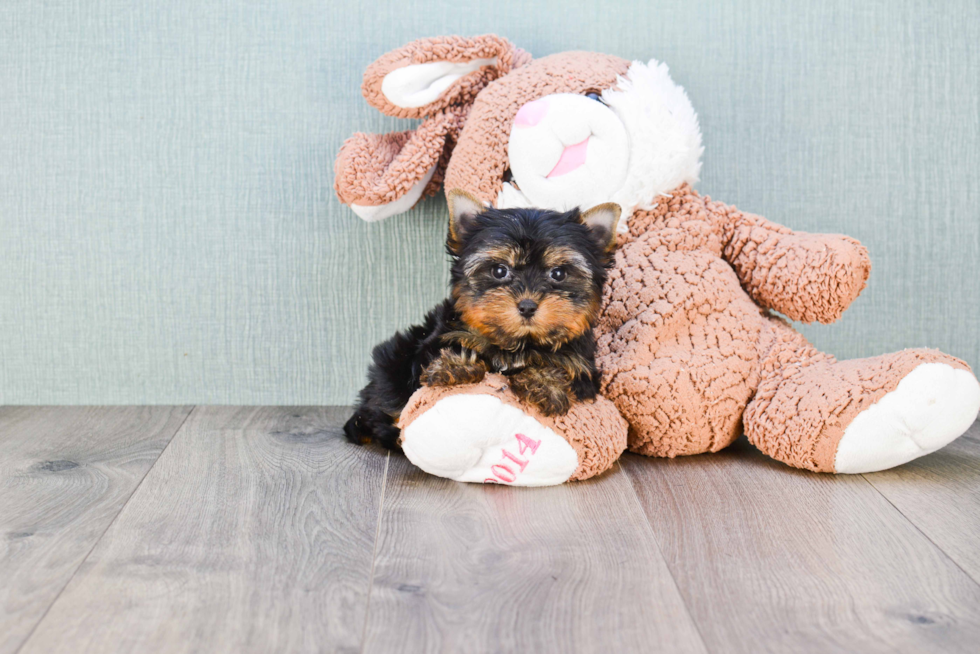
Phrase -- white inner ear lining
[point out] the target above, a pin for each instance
(374, 213)
(417, 85)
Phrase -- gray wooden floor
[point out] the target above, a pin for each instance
(218, 529)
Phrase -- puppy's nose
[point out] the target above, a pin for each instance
(527, 308)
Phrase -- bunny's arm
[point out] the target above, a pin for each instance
(806, 277)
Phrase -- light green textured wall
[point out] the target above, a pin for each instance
(169, 232)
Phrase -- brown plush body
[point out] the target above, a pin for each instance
(691, 351)
(691, 355)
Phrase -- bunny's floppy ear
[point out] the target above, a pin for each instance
(431, 74)
(380, 175)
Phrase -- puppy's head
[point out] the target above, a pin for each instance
(523, 276)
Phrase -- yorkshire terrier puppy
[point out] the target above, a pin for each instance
(526, 291)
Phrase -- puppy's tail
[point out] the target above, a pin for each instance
(372, 426)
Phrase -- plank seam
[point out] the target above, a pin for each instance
(918, 529)
(98, 540)
(656, 542)
(374, 552)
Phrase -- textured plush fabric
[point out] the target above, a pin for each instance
(374, 169)
(806, 277)
(690, 350)
(595, 430)
(480, 158)
(806, 399)
(685, 350)
(443, 48)
(684, 347)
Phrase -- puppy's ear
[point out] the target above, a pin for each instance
(463, 210)
(602, 221)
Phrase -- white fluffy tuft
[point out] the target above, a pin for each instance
(665, 139)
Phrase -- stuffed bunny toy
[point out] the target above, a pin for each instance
(691, 350)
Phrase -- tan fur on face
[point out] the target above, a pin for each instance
(509, 256)
(565, 256)
(559, 320)
(495, 316)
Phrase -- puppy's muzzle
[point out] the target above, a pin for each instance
(527, 308)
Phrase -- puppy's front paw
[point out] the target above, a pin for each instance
(547, 390)
(452, 369)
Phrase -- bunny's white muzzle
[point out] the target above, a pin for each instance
(566, 151)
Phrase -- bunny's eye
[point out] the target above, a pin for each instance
(593, 95)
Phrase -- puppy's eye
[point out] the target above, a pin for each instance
(499, 271)
(558, 274)
(592, 95)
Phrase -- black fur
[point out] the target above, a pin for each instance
(399, 364)
(394, 374)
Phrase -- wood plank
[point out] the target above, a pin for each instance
(773, 559)
(254, 532)
(472, 568)
(940, 494)
(65, 473)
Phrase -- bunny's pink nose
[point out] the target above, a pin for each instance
(571, 158)
(531, 113)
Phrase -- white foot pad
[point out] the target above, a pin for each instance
(480, 439)
(930, 407)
